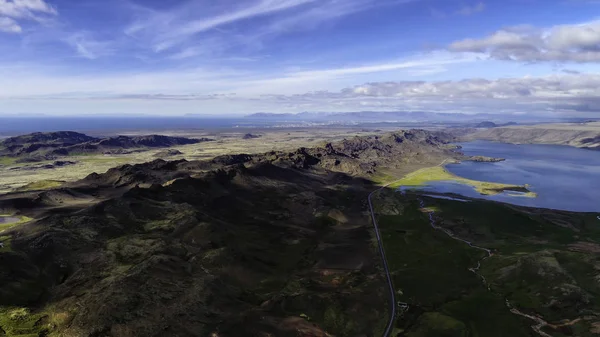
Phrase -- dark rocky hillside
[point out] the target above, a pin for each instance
(48, 146)
(62, 138)
(277, 244)
(147, 141)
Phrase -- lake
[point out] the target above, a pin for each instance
(564, 177)
(5, 220)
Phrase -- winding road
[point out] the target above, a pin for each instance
(390, 326)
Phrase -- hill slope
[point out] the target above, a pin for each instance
(272, 244)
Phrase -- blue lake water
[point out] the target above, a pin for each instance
(5, 220)
(564, 178)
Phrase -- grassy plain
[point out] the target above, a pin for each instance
(16, 175)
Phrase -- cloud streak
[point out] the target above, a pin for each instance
(470, 10)
(13, 11)
(177, 32)
(87, 47)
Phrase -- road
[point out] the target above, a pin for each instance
(390, 326)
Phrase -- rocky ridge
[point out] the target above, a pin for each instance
(244, 245)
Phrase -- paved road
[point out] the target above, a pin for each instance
(390, 326)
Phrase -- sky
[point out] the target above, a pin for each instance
(235, 57)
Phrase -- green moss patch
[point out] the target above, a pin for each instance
(41, 185)
(21, 322)
(438, 173)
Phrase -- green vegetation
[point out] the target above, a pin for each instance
(435, 324)
(7, 160)
(430, 273)
(545, 263)
(23, 322)
(5, 240)
(41, 185)
(382, 178)
(438, 173)
(20, 322)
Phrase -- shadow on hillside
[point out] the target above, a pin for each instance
(241, 251)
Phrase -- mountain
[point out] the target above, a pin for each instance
(44, 146)
(486, 124)
(395, 116)
(61, 138)
(276, 244)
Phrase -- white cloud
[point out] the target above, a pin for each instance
(573, 92)
(563, 43)
(465, 10)
(473, 9)
(13, 11)
(9, 25)
(25, 8)
(576, 94)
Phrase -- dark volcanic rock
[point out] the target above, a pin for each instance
(61, 138)
(58, 163)
(251, 136)
(50, 145)
(148, 141)
(486, 125)
(484, 159)
(232, 159)
(168, 153)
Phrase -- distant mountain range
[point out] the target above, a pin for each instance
(488, 124)
(404, 116)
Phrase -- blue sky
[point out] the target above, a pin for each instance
(226, 57)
